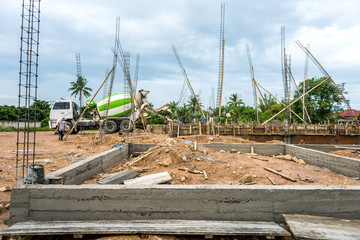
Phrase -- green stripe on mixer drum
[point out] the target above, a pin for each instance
(114, 104)
(122, 114)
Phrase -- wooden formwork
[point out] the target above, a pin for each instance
(295, 133)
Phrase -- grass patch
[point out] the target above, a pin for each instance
(14, 129)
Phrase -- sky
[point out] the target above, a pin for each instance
(67, 27)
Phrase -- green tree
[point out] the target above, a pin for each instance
(235, 106)
(79, 88)
(182, 110)
(173, 107)
(248, 114)
(10, 113)
(269, 101)
(193, 105)
(321, 103)
(269, 107)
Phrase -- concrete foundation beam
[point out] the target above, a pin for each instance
(344, 165)
(81, 171)
(196, 202)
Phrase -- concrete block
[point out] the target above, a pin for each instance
(119, 178)
(161, 177)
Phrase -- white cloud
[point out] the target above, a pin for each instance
(150, 27)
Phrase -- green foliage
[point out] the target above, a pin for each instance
(10, 113)
(14, 129)
(8, 129)
(193, 105)
(79, 88)
(269, 107)
(153, 119)
(322, 102)
(173, 108)
(235, 107)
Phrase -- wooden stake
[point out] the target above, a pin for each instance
(280, 174)
(271, 180)
(205, 175)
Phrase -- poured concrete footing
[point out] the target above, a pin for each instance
(192, 202)
(187, 202)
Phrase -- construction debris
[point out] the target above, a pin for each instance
(205, 175)
(271, 180)
(144, 156)
(5, 189)
(259, 158)
(151, 179)
(280, 174)
(119, 178)
(246, 179)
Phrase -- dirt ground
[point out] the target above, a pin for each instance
(347, 153)
(185, 164)
(205, 166)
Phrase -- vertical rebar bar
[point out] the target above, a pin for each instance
(28, 74)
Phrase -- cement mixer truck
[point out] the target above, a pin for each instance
(119, 113)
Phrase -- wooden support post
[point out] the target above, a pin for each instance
(234, 130)
(190, 129)
(346, 129)
(199, 127)
(178, 131)
(172, 129)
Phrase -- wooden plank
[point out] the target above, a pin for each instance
(193, 227)
(119, 178)
(315, 227)
(161, 177)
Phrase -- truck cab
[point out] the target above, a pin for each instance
(67, 109)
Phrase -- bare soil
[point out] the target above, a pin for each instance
(187, 166)
(347, 153)
(225, 167)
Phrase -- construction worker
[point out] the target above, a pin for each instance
(185, 119)
(211, 116)
(61, 127)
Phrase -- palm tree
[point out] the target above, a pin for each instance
(173, 107)
(235, 105)
(193, 105)
(79, 88)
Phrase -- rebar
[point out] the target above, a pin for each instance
(28, 74)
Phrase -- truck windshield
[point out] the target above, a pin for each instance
(61, 105)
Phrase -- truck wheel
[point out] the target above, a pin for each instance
(126, 126)
(110, 127)
(68, 127)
